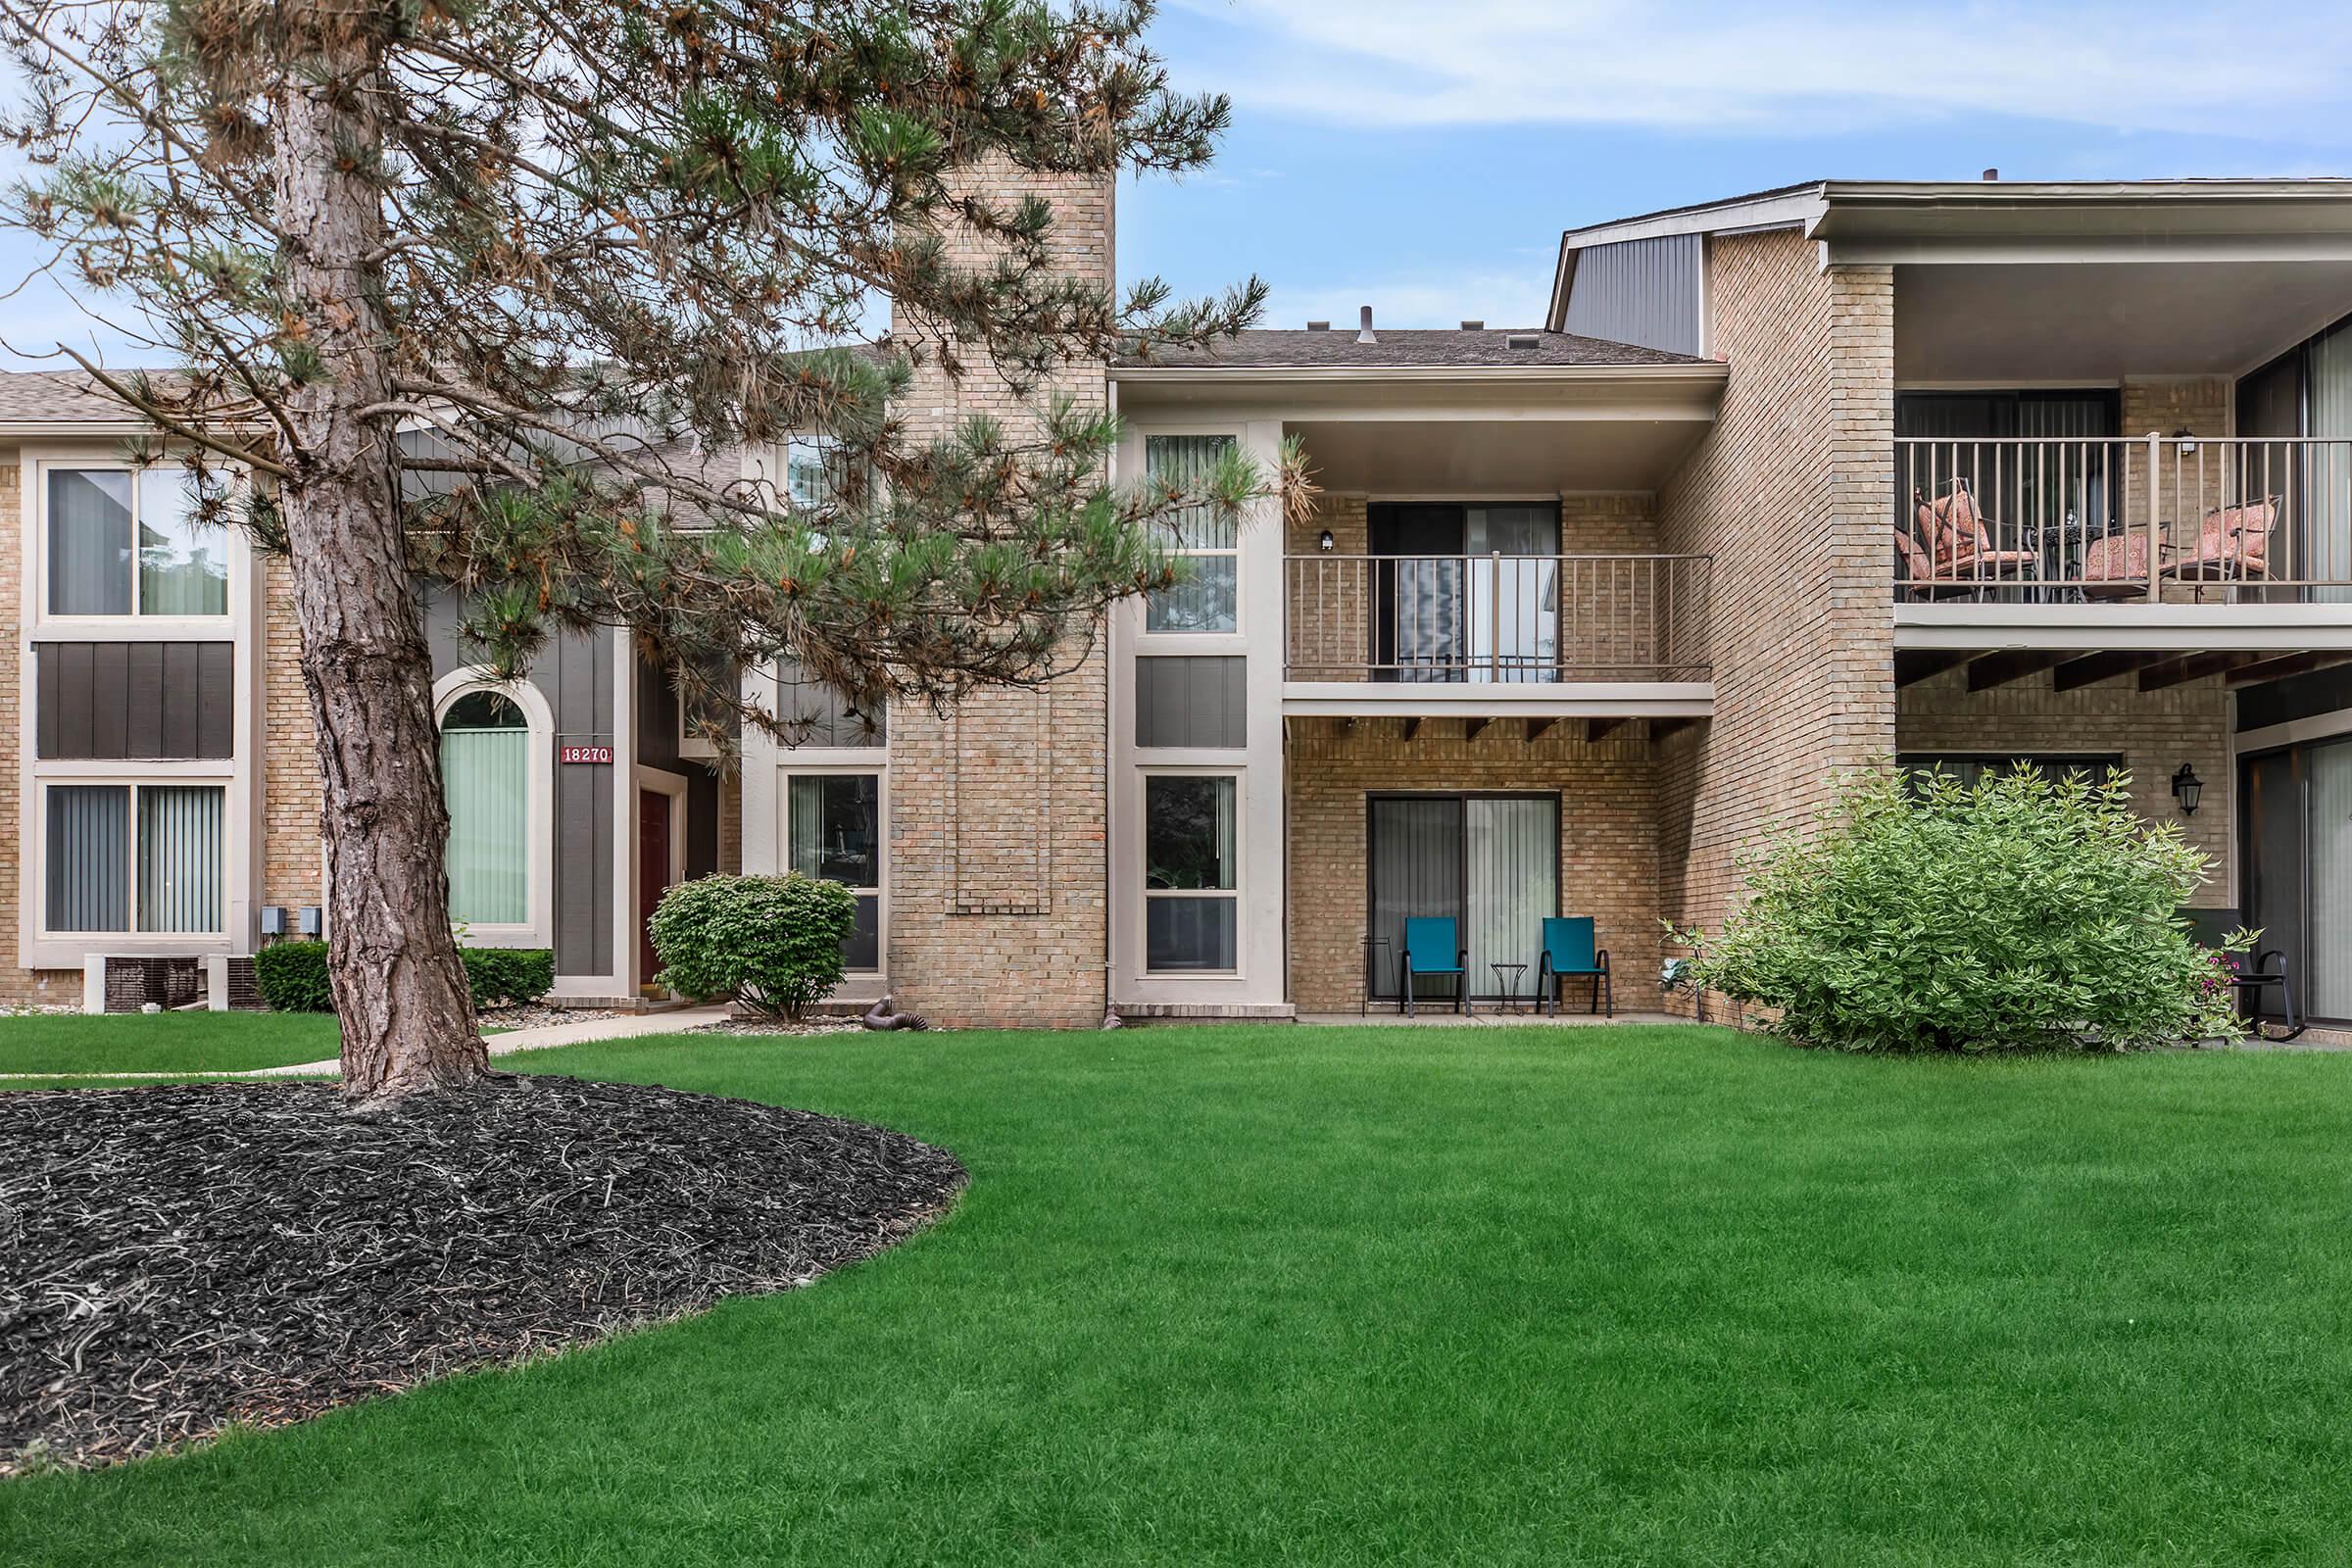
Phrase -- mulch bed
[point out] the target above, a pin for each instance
(176, 1260)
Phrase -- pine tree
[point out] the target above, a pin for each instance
(481, 295)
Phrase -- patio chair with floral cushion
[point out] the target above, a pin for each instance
(2233, 546)
(2115, 566)
(1962, 552)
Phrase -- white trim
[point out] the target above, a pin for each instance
(45, 949)
(43, 626)
(1239, 892)
(858, 985)
(2182, 629)
(1500, 699)
(537, 929)
(672, 788)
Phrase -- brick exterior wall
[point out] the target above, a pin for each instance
(2154, 732)
(293, 864)
(999, 896)
(1788, 492)
(17, 987)
(1608, 836)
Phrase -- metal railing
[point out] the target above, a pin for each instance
(1496, 617)
(2148, 519)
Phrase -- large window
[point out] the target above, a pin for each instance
(833, 830)
(485, 777)
(126, 542)
(1205, 543)
(134, 857)
(1190, 875)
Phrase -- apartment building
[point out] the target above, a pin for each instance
(1956, 473)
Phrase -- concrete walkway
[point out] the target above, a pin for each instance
(627, 1026)
(1483, 1018)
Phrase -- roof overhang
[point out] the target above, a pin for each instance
(1449, 392)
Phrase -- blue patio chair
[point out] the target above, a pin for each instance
(1568, 951)
(1430, 948)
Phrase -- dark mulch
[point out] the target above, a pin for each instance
(176, 1260)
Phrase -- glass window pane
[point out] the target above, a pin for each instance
(1188, 462)
(89, 542)
(862, 949)
(179, 857)
(807, 473)
(1206, 600)
(819, 716)
(485, 777)
(88, 869)
(183, 564)
(1191, 933)
(835, 828)
(1188, 832)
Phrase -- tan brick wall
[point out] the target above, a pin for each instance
(2189, 484)
(730, 824)
(293, 870)
(1788, 492)
(1608, 836)
(2154, 733)
(17, 987)
(998, 898)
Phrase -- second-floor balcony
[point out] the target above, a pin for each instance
(2154, 520)
(1516, 625)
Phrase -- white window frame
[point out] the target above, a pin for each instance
(1233, 553)
(537, 928)
(156, 629)
(1238, 893)
(789, 767)
(133, 778)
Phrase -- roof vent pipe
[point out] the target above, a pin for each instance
(1993, 174)
(1363, 329)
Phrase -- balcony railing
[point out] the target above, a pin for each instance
(2148, 519)
(1497, 618)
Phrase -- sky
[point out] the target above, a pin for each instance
(1423, 156)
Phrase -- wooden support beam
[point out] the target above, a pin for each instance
(1913, 666)
(1473, 728)
(1537, 726)
(1413, 727)
(2011, 664)
(2288, 665)
(2091, 668)
(2191, 666)
(1598, 729)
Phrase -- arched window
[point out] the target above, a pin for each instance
(485, 776)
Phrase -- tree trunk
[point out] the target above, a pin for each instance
(399, 988)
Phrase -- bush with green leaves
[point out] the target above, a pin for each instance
(292, 977)
(2015, 913)
(769, 942)
(518, 975)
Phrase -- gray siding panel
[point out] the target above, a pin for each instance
(1194, 701)
(1646, 292)
(134, 702)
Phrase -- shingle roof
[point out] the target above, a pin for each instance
(1405, 348)
(57, 397)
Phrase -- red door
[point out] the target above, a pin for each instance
(652, 874)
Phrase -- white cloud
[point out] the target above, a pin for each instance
(1805, 69)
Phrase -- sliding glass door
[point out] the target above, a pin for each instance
(1448, 609)
(2298, 857)
(1488, 862)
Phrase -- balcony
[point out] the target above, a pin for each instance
(1604, 635)
(2150, 541)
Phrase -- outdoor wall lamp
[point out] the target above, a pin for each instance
(1324, 541)
(2187, 442)
(2187, 789)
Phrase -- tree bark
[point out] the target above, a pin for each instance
(399, 985)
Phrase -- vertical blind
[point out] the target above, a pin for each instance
(89, 542)
(1206, 601)
(2327, 522)
(179, 857)
(89, 857)
(1514, 883)
(2331, 883)
(485, 774)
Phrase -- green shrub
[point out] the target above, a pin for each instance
(2015, 913)
(508, 974)
(770, 942)
(292, 977)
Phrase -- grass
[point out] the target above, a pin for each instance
(1493, 1297)
(165, 1042)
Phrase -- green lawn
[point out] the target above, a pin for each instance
(1330, 1296)
(164, 1041)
